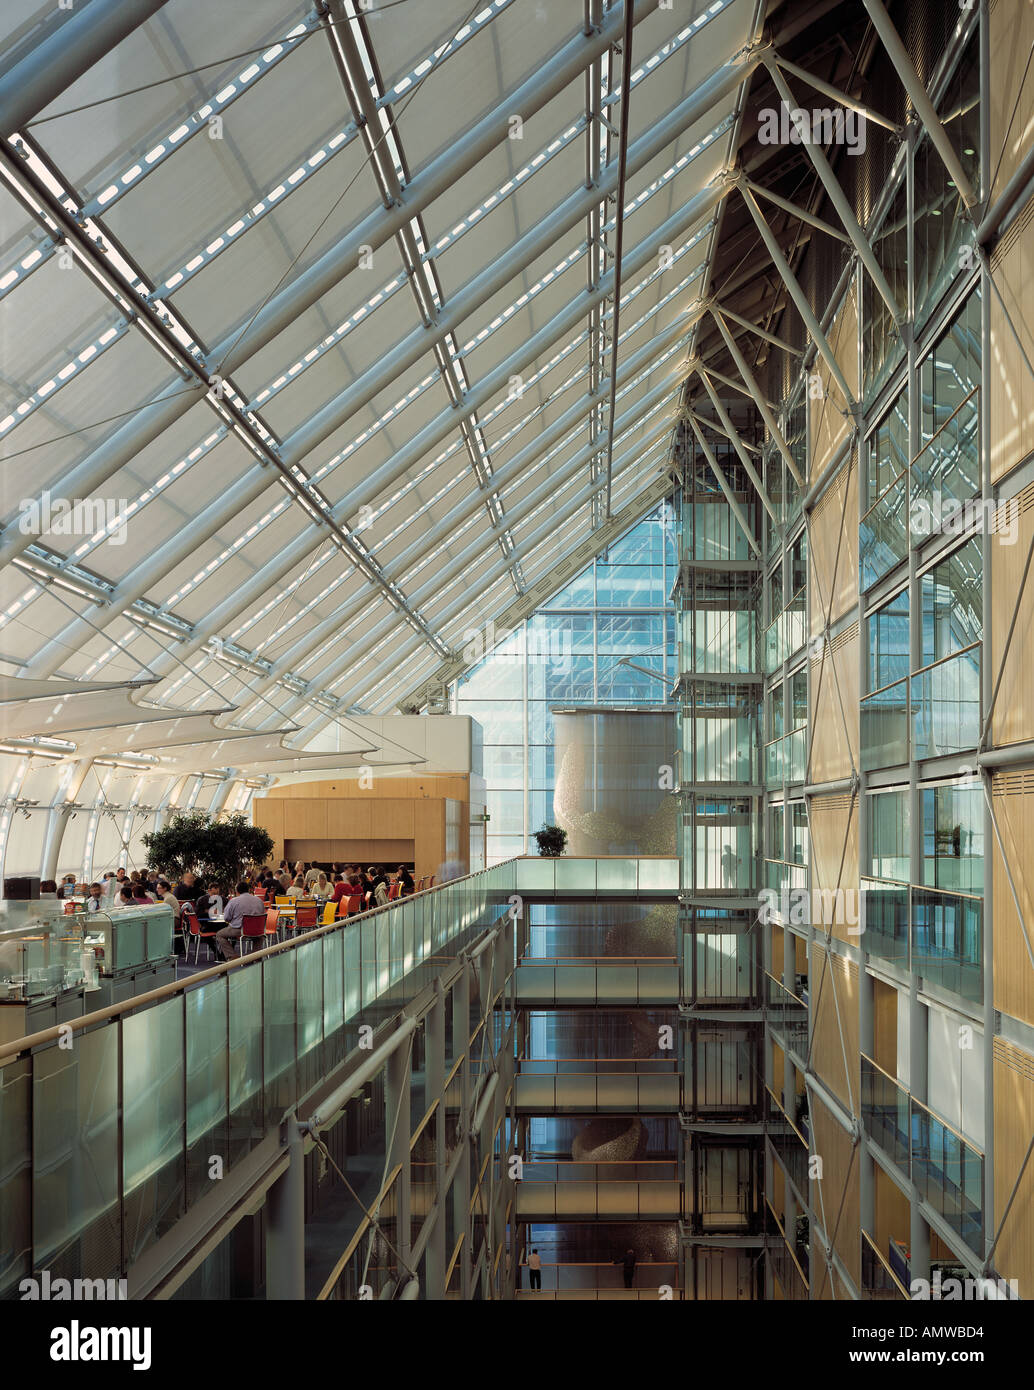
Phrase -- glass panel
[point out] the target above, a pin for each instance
(889, 843)
(951, 602)
(947, 941)
(946, 706)
(953, 838)
(153, 1122)
(888, 643)
(15, 1171)
(883, 536)
(246, 1076)
(75, 1190)
(278, 1033)
(206, 1011)
(884, 727)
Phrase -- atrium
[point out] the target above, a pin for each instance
(517, 772)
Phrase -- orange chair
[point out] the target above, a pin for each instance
(393, 892)
(305, 918)
(260, 893)
(355, 904)
(273, 924)
(253, 928)
(431, 883)
(194, 930)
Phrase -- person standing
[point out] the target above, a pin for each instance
(627, 1261)
(535, 1270)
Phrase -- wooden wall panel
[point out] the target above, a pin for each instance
(381, 786)
(1012, 796)
(390, 853)
(834, 695)
(1013, 718)
(1014, 1124)
(834, 859)
(833, 991)
(1010, 40)
(885, 1026)
(840, 1184)
(833, 549)
(829, 426)
(346, 820)
(893, 1213)
(429, 833)
(1011, 399)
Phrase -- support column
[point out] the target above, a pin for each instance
(397, 1087)
(285, 1224)
(436, 1255)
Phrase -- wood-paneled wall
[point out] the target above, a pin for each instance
(833, 548)
(834, 696)
(1011, 94)
(1012, 796)
(1013, 718)
(1011, 399)
(840, 1184)
(1014, 1124)
(833, 993)
(834, 858)
(829, 423)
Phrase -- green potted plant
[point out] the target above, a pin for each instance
(216, 849)
(552, 840)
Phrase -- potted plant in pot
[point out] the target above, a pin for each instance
(552, 840)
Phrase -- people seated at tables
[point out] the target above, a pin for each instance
(132, 895)
(341, 887)
(320, 887)
(297, 888)
(243, 904)
(405, 881)
(210, 903)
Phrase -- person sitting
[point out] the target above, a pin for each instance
(297, 888)
(380, 888)
(312, 874)
(210, 903)
(166, 895)
(243, 904)
(340, 889)
(188, 888)
(320, 888)
(405, 881)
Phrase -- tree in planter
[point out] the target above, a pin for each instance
(552, 841)
(217, 850)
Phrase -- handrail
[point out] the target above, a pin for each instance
(33, 1040)
(885, 1263)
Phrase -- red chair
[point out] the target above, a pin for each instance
(253, 928)
(393, 892)
(194, 930)
(260, 893)
(273, 924)
(431, 883)
(355, 904)
(305, 918)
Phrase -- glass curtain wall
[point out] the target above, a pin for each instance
(570, 652)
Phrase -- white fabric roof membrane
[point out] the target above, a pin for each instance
(296, 389)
